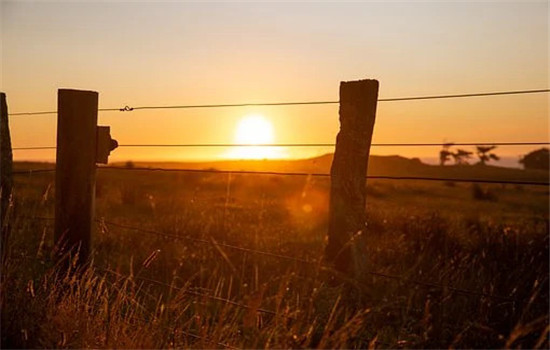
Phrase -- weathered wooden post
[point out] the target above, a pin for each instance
(347, 222)
(75, 171)
(6, 163)
(80, 145)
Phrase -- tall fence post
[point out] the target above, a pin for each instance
(6, 163)
(346, 248)
(75, 171)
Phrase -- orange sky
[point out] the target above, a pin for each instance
(141, 54)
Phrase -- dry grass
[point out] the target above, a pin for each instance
(150, 291)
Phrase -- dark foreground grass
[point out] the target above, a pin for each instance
(448, 271)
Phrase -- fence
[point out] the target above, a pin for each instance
(316, 263)
(320, 264)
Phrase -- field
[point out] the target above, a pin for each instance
(206, 260)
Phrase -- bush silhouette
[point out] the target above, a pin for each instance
(538, 159)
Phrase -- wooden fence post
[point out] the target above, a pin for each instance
(346, 248)
(6, 164)
(75, 171)
(6, 157)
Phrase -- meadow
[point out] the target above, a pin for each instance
(199, 260)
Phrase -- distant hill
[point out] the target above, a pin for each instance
(378, 165)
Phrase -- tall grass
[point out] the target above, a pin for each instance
(149, 291)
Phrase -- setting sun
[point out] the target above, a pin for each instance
(253, 130)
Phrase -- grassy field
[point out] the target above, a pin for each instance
(452, 265)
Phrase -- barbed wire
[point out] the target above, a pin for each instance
(32, 148)
(439, 144)
(278, 173)
(391, 99)
(32, 171)
(333, 144)
(313, 262)
(316, 262)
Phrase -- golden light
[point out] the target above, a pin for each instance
(253, 130)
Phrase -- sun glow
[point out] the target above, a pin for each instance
(254, 130)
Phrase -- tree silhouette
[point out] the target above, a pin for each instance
(461, 156)
(538, 159)
(483, 152)
(445, 154)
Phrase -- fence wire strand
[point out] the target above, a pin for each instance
(391, 99)
(299, 260)
(198, 145)
(314, 262)
(279, 173)
(32, 171)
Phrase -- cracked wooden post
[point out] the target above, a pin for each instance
(75, 172)
(6, 164)
(346, 248)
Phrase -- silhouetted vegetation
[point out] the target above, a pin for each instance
(445, 154)
(538, 159)
(461, 156)
(484, 154)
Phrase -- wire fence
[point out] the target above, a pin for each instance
(319, 263)
(32, 171)
(209, 145)
(316, 262)
(281, 173)
(199, 145)
(391, 99)
(311, 262)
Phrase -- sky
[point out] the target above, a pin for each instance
(178, 53)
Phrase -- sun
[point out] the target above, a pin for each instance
(254, 130)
